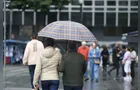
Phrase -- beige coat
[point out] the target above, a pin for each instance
(33, 48)
(47, 65)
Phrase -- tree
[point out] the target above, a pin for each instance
(43, 5)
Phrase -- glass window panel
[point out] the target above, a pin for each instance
(99, 8)
(87, 19)
(111, 19)
(111, 3)
(17, 18)
(75, 16)
(123, 3)
(99, 3)
(88, 3)
(111, 9)
(64, 16)
(52, 16)
(134, 3)
(123, 9)
(134, 19)
(134, 9)
(99, 19)
(123, 19)
(40, 18)
(28, 18)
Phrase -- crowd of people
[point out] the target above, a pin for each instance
(46, 63)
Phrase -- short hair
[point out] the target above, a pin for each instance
(72, 45)
(123, 47)
(34, 36)
(132, 48)
(83, 43)
(128, 48)
(49, 42)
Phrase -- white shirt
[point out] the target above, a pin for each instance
(133, 55)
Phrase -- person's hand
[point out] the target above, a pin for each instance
(123, 61)
(94, 56)
(36, 87)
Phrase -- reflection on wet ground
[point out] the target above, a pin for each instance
(18, 77)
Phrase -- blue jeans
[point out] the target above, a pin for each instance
(50, 85)
(94, 70)
(31, 72)
(73, 87)
(86, 73)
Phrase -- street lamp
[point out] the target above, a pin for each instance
(81, 10)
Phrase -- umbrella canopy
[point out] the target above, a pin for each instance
(14, 42)
(67, 30)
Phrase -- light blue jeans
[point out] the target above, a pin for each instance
(94, 70)
(86, 73)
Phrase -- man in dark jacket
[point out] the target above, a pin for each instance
(73, 66)
(116, 59)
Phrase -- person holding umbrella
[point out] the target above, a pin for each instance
(73, 66)
(47, 67)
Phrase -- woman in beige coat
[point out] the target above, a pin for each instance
(47, 67)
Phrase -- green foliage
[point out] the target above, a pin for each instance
(43, 5)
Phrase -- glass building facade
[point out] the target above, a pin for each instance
(109, 17)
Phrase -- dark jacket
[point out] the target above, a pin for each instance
(116, 58)
(73, 66)
(105, 52)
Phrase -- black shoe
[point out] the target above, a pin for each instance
(96, 81)
(109, 74)
(86, 79)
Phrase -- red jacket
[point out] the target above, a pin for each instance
(84, 51)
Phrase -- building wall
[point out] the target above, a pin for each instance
(105, 18)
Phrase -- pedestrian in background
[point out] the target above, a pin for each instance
(47, 67)
(116, 59)
(32, 50)
(123, 50)
(94, 56)
(73, 66)
(84, 49)
(127, 64)
(105, 57)
(133, 62)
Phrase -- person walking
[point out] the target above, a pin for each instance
(105, 57)
(133, 58)
(84, 49)
(33, 48)
(121, 58)
(116, 59)
(73, 66)
(127, 64)
(47, 67)
(94, 56)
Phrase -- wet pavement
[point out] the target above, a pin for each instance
(17, 78)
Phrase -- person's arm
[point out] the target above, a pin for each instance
(61, 66)
(78, 50)
(26, 55)
(125, 58)
(37, 71)
(84, 66)
(90, 54)
(98, 55)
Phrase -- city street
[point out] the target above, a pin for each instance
(17, 78)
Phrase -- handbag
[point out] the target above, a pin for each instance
(97, 61)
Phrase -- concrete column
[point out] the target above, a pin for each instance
(1, 44)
